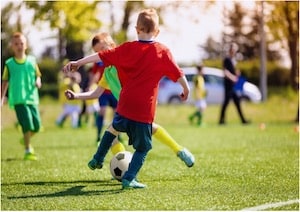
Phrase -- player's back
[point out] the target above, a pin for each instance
(141, 65)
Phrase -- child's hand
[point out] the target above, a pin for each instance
(71, 66)
(3, 101)
(184, 95)
(38, 82)
(69, 94)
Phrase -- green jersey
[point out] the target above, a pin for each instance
(21, 77)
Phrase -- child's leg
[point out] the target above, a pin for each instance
(27, 118)
(74, 119)
(191, 117)
(201, 107)
(140, 137)
(27, 137)
(164, 137)
(99, 123)
(76, 115)
(199, 116)
(135, 165)
(63, 116)
(109, 135)
(117, 147)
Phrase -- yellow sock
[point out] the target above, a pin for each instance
(117, 147)
(164, 137)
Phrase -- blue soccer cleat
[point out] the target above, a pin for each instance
(187, 157)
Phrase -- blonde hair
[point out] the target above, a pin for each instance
(105, 38)
(18, 35)
(148, 21)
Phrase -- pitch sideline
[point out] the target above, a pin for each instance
(271, 205)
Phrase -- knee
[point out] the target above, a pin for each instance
(144, 147)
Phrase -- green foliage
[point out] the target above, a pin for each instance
(7, 29)
(49, 69)
(236, 166)
(49, 90)
(120, 37)
(284, 19)
(75, 19)
(216, 63)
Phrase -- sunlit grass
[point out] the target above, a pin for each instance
(236, 166)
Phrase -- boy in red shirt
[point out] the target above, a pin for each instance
(140, 64)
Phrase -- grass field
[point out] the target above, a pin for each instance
(236, 167)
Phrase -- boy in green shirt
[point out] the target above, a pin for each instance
(22, 78)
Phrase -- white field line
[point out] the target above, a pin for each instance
(271, 205)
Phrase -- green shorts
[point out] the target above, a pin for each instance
(28, 117)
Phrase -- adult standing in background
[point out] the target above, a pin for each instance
(231, 76)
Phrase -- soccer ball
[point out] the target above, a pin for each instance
(119, 164)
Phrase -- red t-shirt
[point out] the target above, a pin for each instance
(140, 67)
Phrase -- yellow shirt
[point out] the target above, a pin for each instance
(199, 87)
(92, 101)
(65, 84)
(103, 83)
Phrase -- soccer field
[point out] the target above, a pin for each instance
(237, 167)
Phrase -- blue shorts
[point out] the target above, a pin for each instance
(108, 99)
(140, 134)
(28, 117)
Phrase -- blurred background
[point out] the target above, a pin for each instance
(196, 32)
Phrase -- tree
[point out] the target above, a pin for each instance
(11, 9)
(73, 20)
(212, 48)
(283, 23)
(130, 6)
(242, 27)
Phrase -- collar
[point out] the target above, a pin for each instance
(146, 41)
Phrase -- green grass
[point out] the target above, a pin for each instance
(236, 166)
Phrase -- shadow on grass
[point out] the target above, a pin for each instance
(72, 191)
(12, 159)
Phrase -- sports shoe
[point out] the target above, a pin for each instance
(93, 164)
(132, 184)
(22, 142)
(187, 157)
(246, 122)
(30, 156)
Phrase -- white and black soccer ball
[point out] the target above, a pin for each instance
(119, 164)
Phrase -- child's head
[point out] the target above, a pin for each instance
(148, 22)
(18, 43)
(199, 69)
(233, 48)
(75, 77)
(102, 41)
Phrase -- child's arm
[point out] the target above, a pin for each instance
(94, 94)
(229, 75)
(74, 65)
(4, 87)
(186, 89)
(38, 82)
